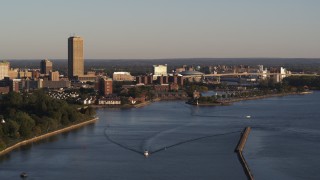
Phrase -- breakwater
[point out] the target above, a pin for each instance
(44, 136)
(239, 149)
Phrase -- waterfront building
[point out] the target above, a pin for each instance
(75, 57)
(4, 69)
(45, 66)
(109, 101)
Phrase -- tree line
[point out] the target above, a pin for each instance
(28, 115)
(312, 82)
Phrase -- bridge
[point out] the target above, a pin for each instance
(247, 74)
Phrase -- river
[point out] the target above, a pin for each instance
(185, 142)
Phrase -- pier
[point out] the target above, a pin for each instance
(239, 149)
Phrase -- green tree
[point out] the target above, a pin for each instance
(13, 99)
(12, 129)
(26, 124)
(1, 131)
(37, 130)
(3, 145)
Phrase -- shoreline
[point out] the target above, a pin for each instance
(47, 135)
(263, 96)
(127, 106)
(231, 101)
(219, 103)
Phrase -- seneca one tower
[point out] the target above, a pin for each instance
(75, 57)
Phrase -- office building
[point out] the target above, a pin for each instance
(105, 86)
(45, 66)
(54, 76)
(4, 69)
(75, 57)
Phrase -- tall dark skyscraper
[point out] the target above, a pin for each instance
(45, 66)
(75, 57)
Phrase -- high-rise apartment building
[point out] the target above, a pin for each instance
(75, 57)
(4, 69)
(45, 66)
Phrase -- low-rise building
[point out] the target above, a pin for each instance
(56, 84)
(148, 79)
(109, 101)
(122, 76)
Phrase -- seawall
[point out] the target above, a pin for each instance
(44, 136)
(239, 149)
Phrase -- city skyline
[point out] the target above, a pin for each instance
(161, 29)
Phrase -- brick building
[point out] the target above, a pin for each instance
(105, 86)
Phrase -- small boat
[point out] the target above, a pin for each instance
(23, 175)
(248, 117)
(146, 153)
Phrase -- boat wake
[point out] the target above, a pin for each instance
(142, 151)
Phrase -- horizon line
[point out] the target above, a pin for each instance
(221, 58)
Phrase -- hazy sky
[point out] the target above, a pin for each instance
(160, 28)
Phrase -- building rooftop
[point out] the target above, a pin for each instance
(75, 37)
(127, 73)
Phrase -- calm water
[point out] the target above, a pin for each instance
(185, 142)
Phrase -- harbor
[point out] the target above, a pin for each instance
(197, 143)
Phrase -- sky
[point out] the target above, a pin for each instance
(143, 29)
